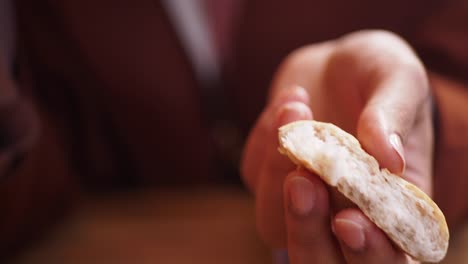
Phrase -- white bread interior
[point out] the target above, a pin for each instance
(406, 214)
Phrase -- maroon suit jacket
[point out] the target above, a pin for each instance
(118, 102)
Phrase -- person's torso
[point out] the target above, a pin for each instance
(116, 77)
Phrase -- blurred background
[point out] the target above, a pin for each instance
(198, 226)
(119, 176)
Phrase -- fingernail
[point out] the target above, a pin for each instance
(300, 93)
(293, 111)
(295, 93)
(350, 233)
(333, 229)
(395, 141)
(301, 194)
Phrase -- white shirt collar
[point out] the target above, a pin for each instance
(191, 24)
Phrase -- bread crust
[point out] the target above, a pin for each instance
(410, 218)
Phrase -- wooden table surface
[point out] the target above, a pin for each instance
(202, 225)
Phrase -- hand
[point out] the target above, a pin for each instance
(19, 126)
(369, 83)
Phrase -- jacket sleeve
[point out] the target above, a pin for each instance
(36, 186)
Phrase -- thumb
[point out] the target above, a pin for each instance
(391, 112)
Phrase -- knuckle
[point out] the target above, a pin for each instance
(298, 59)
(378, 46)
(417, 76)
(373, 38)
(377, 55)
(302, 65)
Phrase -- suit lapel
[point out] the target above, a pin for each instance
(142, 83)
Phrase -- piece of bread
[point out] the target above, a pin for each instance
(405, 213)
